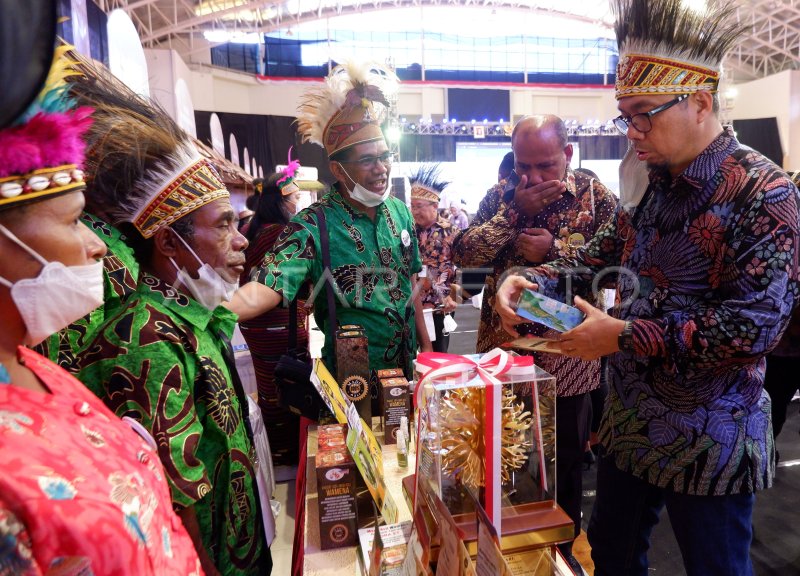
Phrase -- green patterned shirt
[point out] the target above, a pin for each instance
(372, 264)
(161, 359)
(120, 270)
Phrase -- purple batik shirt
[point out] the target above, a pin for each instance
(709, 279)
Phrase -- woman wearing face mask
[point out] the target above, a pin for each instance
(267, 335)
(78, 480)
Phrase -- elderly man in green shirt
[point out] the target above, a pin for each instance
(373, 247)
(120, 271)
(163, 357)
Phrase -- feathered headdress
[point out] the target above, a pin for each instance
(143, 168)
(286, 183)
(41, 154)
(425, 183)
(667, 48)
(348, 108)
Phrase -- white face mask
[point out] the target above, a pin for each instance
(364, 196)
(288, 209)
(55, 298)
(210, 289)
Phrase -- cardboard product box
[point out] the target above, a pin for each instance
(383, 552)
(375, 378)
(394, 404)
(336, 490)
(352, 369)
(332, 437)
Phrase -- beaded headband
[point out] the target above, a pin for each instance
(194, 187)
(425, 183)
(41, 154)
(348, 108)
(640, 74)
(667, 47)
(420, 192)
(40, 183)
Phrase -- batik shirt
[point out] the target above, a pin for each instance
(710, 276)
(162, 360)
(372, 264)
(435, 243)
(120, 270)
(81, 493)
(491, 241)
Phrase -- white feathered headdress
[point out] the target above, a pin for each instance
(348, 108)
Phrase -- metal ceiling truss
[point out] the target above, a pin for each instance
(771, 45)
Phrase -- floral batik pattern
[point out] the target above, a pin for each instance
(709, 278)
(82, 493)
(490, 242)
(435, 245)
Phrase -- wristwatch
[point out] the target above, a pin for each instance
(625, 338)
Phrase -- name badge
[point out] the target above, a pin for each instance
(405, 238)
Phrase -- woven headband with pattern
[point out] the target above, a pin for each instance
(420, 192)
(194, 187)
(642, 74)
(350, 126)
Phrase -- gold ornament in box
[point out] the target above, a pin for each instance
(463, 433)
(451, 452)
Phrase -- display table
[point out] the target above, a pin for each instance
(344, 561)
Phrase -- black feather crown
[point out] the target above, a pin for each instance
(665, 47)
(426, 184)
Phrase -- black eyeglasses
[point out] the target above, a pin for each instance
(642, 121)
(368, 162)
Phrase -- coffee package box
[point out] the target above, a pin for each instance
(336, 489)
(352, 369)
(394, 405)
(375, 378)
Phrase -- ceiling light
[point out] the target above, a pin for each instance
(393, 134)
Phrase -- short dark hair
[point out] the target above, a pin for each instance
(185, 226)
(268, 208)
(252, 200)
(507, 163)
(342, 155)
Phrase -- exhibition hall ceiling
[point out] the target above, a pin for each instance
(771, 44)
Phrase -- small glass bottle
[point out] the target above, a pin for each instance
(402, 448)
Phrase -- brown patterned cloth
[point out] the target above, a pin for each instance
(435, 245)
(490, 241)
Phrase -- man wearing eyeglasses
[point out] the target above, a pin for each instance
(373, 248)
(706, 272)
(372, 245)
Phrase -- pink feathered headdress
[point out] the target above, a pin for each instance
(286, 183)
(42, 154)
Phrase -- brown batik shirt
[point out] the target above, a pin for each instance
(491, 241)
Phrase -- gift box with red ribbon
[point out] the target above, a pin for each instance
(486, 427)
